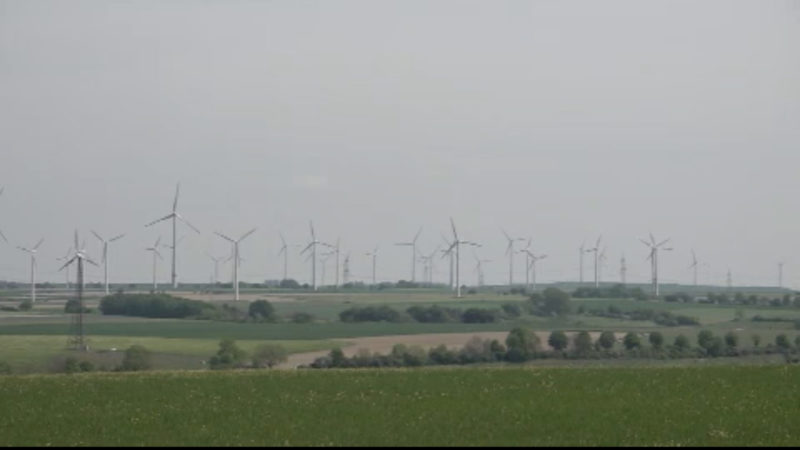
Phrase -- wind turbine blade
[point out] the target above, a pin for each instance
(224, 237)
(652, 239)
(157, 242)
(247, 234)
(67, 263)
(177, 192)
(89, 261)
(307, 247)
(663, 242)
(453, 225)
(98, 236)
(506, 234)
(416, 236)
(35, 247)
(76, 241)
(597, 244)
(158, 254)
(283, 249)
(508, 248)
(23, 249)
(187, 223)
(645, 242)
(311, 226)
(282, 239)
(115, 238)
(3, 236)
(168, 216)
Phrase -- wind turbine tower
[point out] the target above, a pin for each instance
(533, 259)
(653, 257)
(335, 251)
(374, 254)
(694, 266)
(313, 255)
(216, 260)
(174, 215)
(594, 250)
(780, 275)
(32, 251)
(456, 245)
(623, 269)
(236, 259)
(66, 258)
(105, 255)
(285, 250)
(156, 253)
(413, 245)
(510, 253)
(729, 279)
(581, 250)
(346, 270)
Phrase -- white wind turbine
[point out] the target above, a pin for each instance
(601, 261)
(2, 188)
(334, 251)
(479, 268)
(32, 252)
(428, 267)
(533, 258)
(174, 215)
(780, 274)
(413, 245)
(448, 251)
(80, 257)
(653, 257)
(582, 250)
(156, 253)
(456, 245)
(105, 255)
(66, 258)
(346, 271)
(374, 254)
(594, 250)
(313, 255)
(216, 260)
(285, 250)
(236, 259)
(694, 266)
(510, 253)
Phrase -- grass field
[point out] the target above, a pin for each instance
(722, 405)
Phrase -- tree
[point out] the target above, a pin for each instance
(731, 339)
(522, 343)
(289, 283)
(632, 341)
(782, 342)
(756, 340)
(583, 343)
(656, 339)
(228, 356)
(136, 358)
(556, 301)
(681, 342)
(261, 310)
(269, 355)
(606, 339)
(704, 338)
(26, 305)
(558, 340)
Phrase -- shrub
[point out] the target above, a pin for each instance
(512, 310)
(583, 342)
(782, 342)
(704, 338)
(289, 283)
(261, 310)
(606, 340)
(442, 355)
(434, 314)
(756, 340)
(269, 355)
(228, 356)
(302, 317)
(136, 358)
(478, 315)
(74, 365)
(731, 339)
(26, 305)
(153, 305)
(370, 314)
(73, 307)
(682, 342)
(558, 340)
(656, 339)
(521, 344)
(632, 341)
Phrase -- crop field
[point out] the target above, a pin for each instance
(527, 406)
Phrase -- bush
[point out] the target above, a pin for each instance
(477, 315)
(512, 310)
(434, 314)
(136, 358)
(704, 338)
(522, 343)
(632, 341)
(606, 340)
(73, 307)
(558, 340)
(228, 356)
(583, 342)
(269, 355)
(153, 305)
(682, 342)
(656, 339)
(556, 302)
(289, 283)
(782, 342)
(442, 355)
(26, 305)
(261, 310)
(370, 314)
(731, 339)
(756, 340)
(74, 365)
(302, 317)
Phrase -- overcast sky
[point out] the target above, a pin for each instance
(555, 120)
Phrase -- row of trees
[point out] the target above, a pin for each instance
(230, 356)
(664, 318)
(430, 314)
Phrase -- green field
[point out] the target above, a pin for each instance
(723, 405)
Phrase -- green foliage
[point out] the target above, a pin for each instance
(583, 342)
(656, 339)
(756, 340)
(682, 342)
(152, 305)
(5, 368)
(704, 338)
(434, 314)
(731, 339)
(632, 341)
(551, 302)
(269, 355)
(228, 356)
(302, 317)
(289, 283)
(606, 340)
(522, 343)
(75, 365)
(72, 306)
(512, 310)
(558, 340)
(782, 342)
(370, 314)
(479, 315)
(26, 305)
(136, 358)
(616, 291)
(261, 310)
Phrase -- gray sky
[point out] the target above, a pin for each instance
(557, 120)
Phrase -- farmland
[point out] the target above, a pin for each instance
(527, 406)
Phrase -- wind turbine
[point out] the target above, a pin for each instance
(105, 255)
(324, 260)
(65, 258)
(623, 269)
(79, 256)
(428, 260)
(601, 259)
(346, 271)
(694, 266)
(154, 249)
(235, 243)
(335, 251)
(174, 215)
(653, 257)
(780, 274)
(32, 252)
(582, 250)
(533, 259)
(2, 188)
(413, 245)
(216, 260)
(449, 252)
(374, 254)
(313, 255)
(594, 250)
(479, 268)
(285, 251)
(456, 245)
(510, 253)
